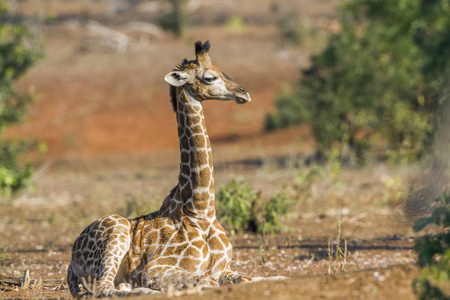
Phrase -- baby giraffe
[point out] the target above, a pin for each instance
(182, 243)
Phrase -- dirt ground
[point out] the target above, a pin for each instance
(38, 230)
(109, 145)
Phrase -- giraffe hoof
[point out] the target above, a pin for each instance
(124, 286)
(143, 290)
(84, 295)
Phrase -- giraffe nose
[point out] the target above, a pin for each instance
(242, 90)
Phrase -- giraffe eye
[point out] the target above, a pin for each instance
(209, 79)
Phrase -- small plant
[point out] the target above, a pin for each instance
(395, 190)
(339, 260)
(309, 175)
(3, 257)
(274, 211)
(235, 24)
(236, 205)
(12, 180)
(329, 173)
(139, 205)
(434, 252)
(241, 208)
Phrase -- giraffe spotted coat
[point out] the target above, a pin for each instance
(182, 243)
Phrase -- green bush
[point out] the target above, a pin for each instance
(175, 20)
(18, 52)
(240, 207)
(274, 211)
(139, 205)
(295, 29)
(236, 205)
(377, 82)
(434, 252)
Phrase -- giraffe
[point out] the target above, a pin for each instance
(182, 243)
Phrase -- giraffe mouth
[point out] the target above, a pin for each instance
(242, 100)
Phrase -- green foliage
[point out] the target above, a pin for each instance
(175, 20)
(235, 24)
(136, 206)
(235, 203)
(294, 31)
(331, 171)
(13, 180)
(290, 110)
(395, 190)
(379, 79)
(18, 52)
(274, 211)
(293, 28)
(440, 216)
(434, 251)
(241, 208)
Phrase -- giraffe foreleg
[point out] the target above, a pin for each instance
(73, 282)
(96, 256)
(104, 285)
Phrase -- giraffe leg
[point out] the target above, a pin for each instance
(96, 256)
(104, 285)
(74, 284)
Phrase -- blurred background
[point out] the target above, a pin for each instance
(347, 135)
(99, 87)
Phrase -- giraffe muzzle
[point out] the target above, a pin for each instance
(243, 96)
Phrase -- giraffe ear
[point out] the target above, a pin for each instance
(176, 78)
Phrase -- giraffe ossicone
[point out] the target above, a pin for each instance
(182, 244)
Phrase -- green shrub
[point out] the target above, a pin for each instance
(329, 172)
(377, 82)
(241, 208)
(290, 110)
(276, 209)
(136, 206)
(175, 20)
(18, 52)
(434, 252)
(293, 28)
(12, 180)
(235, 24)
(236, 204)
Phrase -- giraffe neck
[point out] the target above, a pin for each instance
(196, 179)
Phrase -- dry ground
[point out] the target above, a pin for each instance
(111, 147)
(39, 228)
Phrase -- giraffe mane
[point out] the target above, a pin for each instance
(173, 97)
(181, 66)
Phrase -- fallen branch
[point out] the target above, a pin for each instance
(26, 280)
(11, 280)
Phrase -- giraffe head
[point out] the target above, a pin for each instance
(203, 80)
